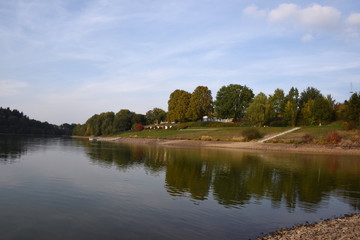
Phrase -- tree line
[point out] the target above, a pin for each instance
(239, 103)
(15, 122)
(235, 102)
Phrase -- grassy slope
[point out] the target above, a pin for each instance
(197, 133)
(318, 134)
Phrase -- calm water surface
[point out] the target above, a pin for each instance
(58, 188)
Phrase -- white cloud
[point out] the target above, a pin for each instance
(254, 11)
(9, 88)
(285, 11)
(314, 16)
(307, 37)
(354, 19)
(320, 16)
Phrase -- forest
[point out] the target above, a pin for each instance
(235, 103)
(15, 122)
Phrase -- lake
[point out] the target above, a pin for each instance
(63, 188)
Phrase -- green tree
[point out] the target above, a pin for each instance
(93, 127)
(309, 93)
(155, 115)
(316, 111)
(123, 120)
(277, 103)
(106, 121)
(232, 101)
(257, 111)
(353, 111)
(138, 119)
(291, 109)
(178, 105)
(201, 104)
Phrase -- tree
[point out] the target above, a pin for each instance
(232, 101)
(92, 126)
(155, 115)
(277, 103)
(138, 119)
(317, 111)
(309, 93)
(106, 121)
(123, 120)
(201, 104)
(291, 107)
(258, 109)
(177, 105)
(353, 111)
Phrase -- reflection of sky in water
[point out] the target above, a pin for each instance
(73, 188)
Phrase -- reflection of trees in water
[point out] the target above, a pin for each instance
(126, 157)
(11, 148)
(236, 178)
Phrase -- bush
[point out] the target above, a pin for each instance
(138, 127)
(251, 133)
(333, 138)
(307, 138)
(349, 126)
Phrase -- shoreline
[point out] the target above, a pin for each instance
(252, 146)
(345, 227)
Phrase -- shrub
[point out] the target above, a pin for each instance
(251, 133)
(138, 127)
(349, 125)
(307, 138)
(333, 138)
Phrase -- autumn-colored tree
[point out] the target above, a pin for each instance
(201, 104)
(178, 105)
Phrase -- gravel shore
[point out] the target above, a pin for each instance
(277, 147)
(347, 227)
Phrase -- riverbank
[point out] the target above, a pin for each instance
(347, 227)
(276, 147)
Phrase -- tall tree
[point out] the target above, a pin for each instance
(232, 101)
(353, 110)
(277, 103)
(309, 93)
(177, 105)
(291, 109)
(257, 111)
(201, 104)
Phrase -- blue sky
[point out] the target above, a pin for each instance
(65, 60)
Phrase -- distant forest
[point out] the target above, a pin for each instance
(15, 122)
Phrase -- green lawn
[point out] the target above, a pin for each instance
(204, 133)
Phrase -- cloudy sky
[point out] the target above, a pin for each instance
(65, 60)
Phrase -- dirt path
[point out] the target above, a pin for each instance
(279, 134)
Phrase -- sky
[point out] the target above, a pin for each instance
(62, 61)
